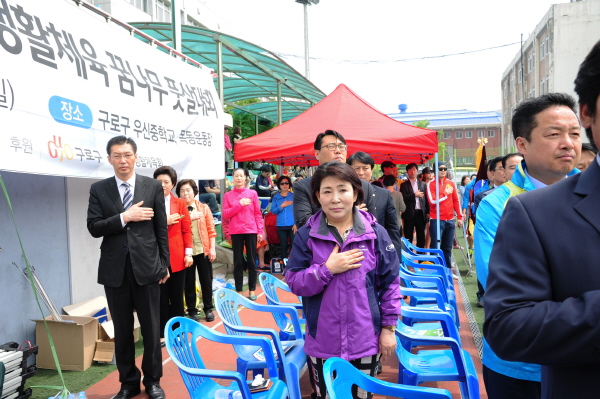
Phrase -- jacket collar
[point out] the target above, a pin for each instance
(521, 179)
(588, 186)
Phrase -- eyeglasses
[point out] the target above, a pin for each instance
(284, 183)
(119, 156)
(442, 169)
(333, 146)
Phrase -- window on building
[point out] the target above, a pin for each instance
(464, 160)
(491, 133)
(163, 11)
(468, 135)
(447, 135)
(459, 135)
(191, 21)
(512, 82)
(531, 62)
(481, 134)
(543, 49)
(519, 71)
(140, 4)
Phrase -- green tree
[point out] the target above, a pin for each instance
(441, 145)
(247, 121)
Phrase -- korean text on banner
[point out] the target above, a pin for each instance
(69, 81)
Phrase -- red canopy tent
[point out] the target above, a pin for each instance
(364, 128)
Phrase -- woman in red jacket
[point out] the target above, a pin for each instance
(180, 249)
(242, 207)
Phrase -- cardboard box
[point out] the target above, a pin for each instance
(74, 340)
(105, 351)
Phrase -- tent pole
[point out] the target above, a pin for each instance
(437, 202)
(220, 71)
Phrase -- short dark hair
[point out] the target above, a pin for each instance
(389, 181)
(282, 178)
(166, 170)
(587, 83)
(120, 140)
(377, 183)
(328, 132)
(493, 164)
(361, 157)
(509, 156)
(340, 171)
(411, 165)
(589, 147)
(266, 168)
(242, 169)
(524, 121)
(182, 183)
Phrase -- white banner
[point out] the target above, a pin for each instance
(69, 81)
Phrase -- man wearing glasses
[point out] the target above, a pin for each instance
(331, 146)
(449, 205)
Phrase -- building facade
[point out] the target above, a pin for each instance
(461, 131)
(549, 58)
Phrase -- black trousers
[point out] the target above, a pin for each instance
(417, 222)
(285, 232)
(205, 274)
(122, 301)
(238, 241)
(171, 299)
(499, 386)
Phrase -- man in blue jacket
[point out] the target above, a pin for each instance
(546, 131)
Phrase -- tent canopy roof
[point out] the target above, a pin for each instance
(364, 128)
(249, 71)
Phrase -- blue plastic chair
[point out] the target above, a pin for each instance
(454, 364)
(346, 375)
(228, 303)
(182, 335)
(434, 252)
(269, 285)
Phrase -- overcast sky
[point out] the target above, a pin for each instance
(355, 43)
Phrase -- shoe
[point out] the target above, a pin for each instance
(479, 303)
(127, 393)
(252, 297)
(209, 315)
(162, 342)
(154, 391)
(458, 247)
(379, 368)
(455, 274)
(194, 316)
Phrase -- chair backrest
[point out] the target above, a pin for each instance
(346, 375)
(269, 285)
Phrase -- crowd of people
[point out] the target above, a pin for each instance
(342, 229)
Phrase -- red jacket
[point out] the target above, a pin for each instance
(448, 203)
(242, 219)
(180, 234)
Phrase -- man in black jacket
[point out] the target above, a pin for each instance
(331, 146)
(128, 212)
(417, 207)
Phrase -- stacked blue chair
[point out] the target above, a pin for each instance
(269, 285)
(346, 375)
(181, 336)
(289, 362)
(432, 320)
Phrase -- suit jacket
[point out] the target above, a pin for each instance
(410, 199)
(543, 291)
(180, 234)
(148, 241)
(378, 200)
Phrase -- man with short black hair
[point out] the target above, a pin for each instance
(417, 207)
(547, 134)
(588, 154)
(128, 212)
(389, 169)
(510, 163)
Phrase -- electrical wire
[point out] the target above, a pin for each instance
(394, 61)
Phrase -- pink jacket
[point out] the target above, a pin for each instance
(243, 219)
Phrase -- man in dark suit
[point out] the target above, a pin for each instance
(417, 207)
(128, 211)
(378, 202)
(543, 289)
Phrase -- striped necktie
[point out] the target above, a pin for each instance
(127, 198)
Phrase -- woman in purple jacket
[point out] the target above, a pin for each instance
(346, 268)
(242, 208)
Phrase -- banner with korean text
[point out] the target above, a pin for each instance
(70, 80)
